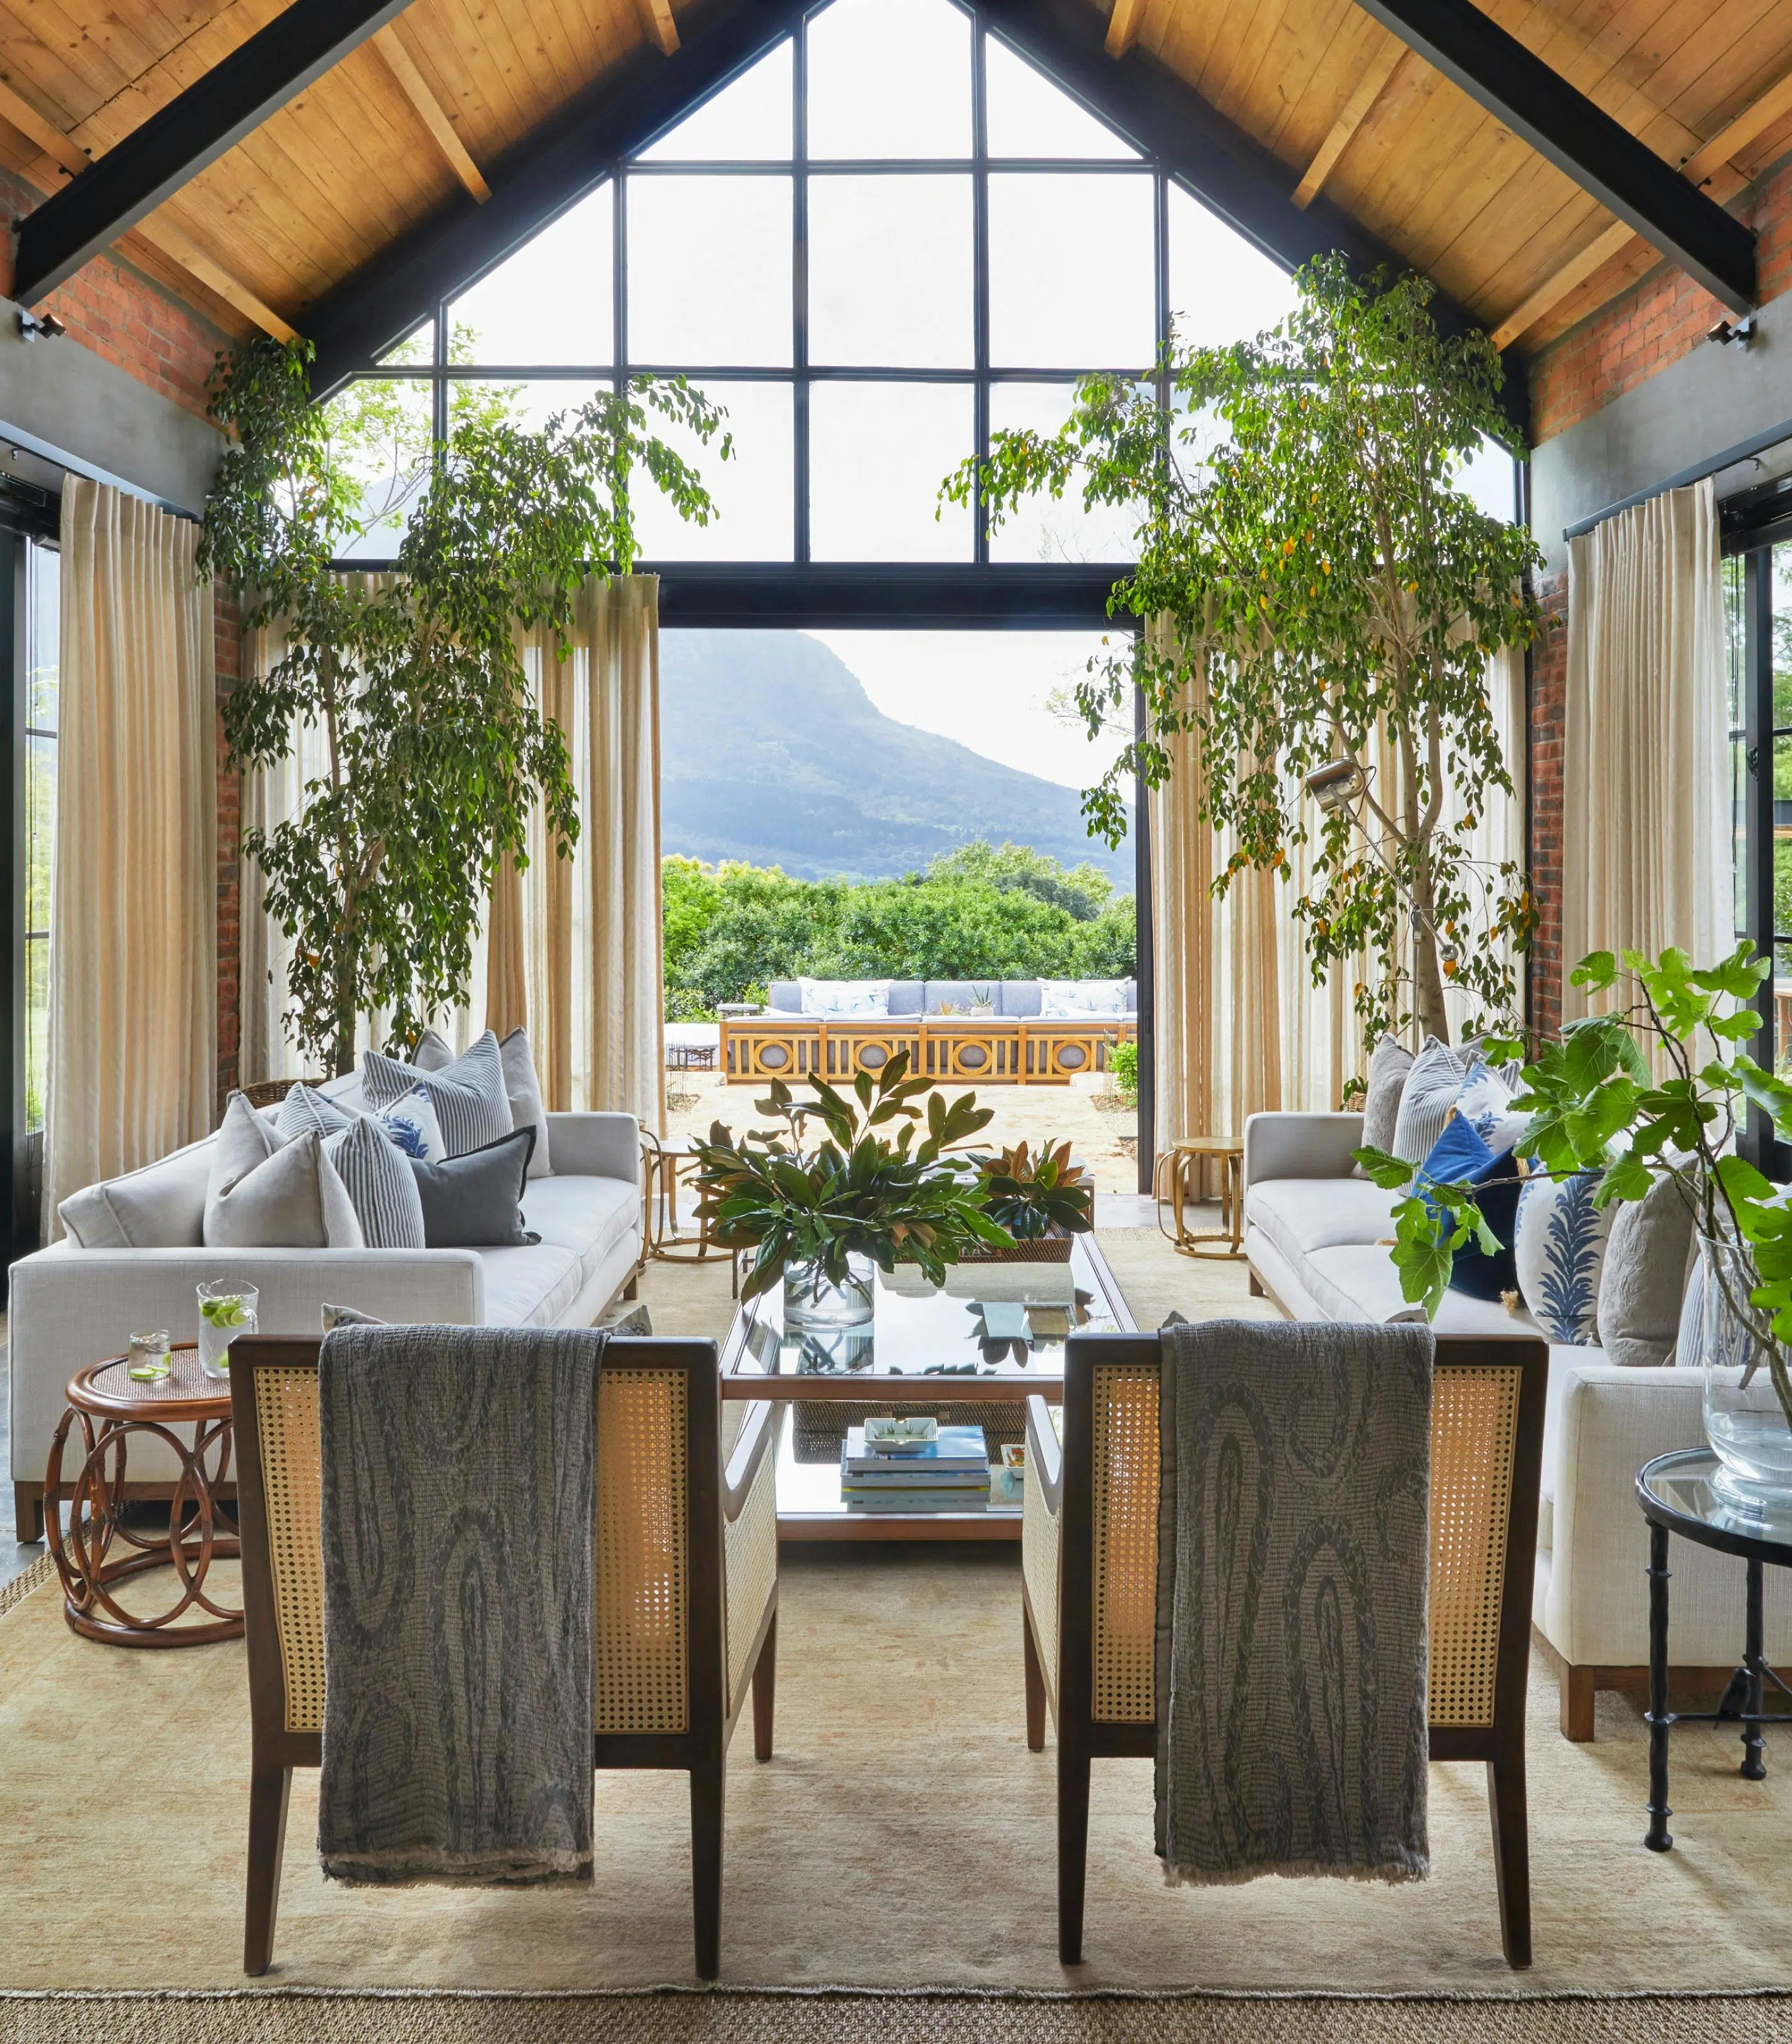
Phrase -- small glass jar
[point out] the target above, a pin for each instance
(148, 1361)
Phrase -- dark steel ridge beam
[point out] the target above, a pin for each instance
(1601, 155)
(625, 110)
(947, 597)
(1248, 187)
(174, 145)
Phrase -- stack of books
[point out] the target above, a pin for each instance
(950, 1472)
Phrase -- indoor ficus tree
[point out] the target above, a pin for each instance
(435, 752)
(1326, 592)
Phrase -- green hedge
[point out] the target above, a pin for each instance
(983, 912)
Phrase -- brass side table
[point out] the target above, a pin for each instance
(1176, 1169)
(87, 1559)
(662, 1166)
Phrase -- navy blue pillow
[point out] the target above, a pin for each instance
(1460, 1153)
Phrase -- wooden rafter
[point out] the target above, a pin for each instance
(656, 17)
(1705, 166)
(69, 156)
(1124, 24)
(415, 87)
(1357, 108)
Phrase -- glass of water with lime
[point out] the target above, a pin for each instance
(225, 1311)
(148, 1361)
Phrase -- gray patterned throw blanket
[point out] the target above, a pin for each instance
(459, 1477)
(1294, 1556)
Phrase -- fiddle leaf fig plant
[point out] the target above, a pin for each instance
(855, 1192)
(1596, 1104)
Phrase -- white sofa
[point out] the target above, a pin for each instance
(70, 1306)
(1316, 1242)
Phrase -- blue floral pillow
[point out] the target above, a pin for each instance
(1486, 1102)
(1561, 1251)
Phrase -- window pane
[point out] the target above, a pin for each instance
(36, 1030)
(551, 301)
(890, 78)
(1490, 477)
(521, 402)
(1046, 312)
(1782, 648)
(1782, 837)
(878, 454)
(1044, 528)
(380, 431)
(416, 350)
(890, 272)
(39, 828)
(1222, 289)
(1736, 638)
(1029, 115)
(1739, 833)
(749, 122)
(754, 490)
(709, 271)
(44, 626)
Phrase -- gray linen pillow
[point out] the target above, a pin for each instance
(1381, 1106)
(468, 1094)
(380, 1183)
(266, 1196)
(1426, 1097)
(1643, 1285)
(161, 1206)
(473, 1201)
(522, 1086)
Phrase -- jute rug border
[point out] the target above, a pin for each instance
(725, 1990)
(35, 1576)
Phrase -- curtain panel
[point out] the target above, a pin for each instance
(1240, 1027)
(132, 1029)
(1645, 839)
(570, 948)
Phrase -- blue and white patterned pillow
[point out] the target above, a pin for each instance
(409, 1123)
(472, 1103)
(1560, 1251)
(1484, 1102)
(844, 996)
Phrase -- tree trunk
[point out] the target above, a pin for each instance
(1428, 975)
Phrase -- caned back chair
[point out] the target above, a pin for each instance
(686, 1602)
(1089, 1575)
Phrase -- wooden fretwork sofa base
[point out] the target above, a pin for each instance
(686, 1610)
(1089, 1584)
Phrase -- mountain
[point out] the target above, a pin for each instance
(772, 751)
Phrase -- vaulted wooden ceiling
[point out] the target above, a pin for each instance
(422, 114)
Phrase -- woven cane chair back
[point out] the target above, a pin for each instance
(643, 1568)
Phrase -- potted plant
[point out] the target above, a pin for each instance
(820, 1214)
(1596, 1104)
(1042, 1201)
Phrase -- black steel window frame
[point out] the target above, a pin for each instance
(979, 375)
(1753, 526)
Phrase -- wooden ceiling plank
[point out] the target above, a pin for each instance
(1124, 24)
(1238, 18)
(398, 61)
(663, 31)
(1356, 110)
(39, 128)
(1266, 30)
(1313, 83)
(181, 65)
(448, 65)
(256, 214)
(1738, 135)
(363, 117)
(497, 74)
(195, 259)
(96, 44)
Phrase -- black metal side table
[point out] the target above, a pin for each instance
(1676, 1494)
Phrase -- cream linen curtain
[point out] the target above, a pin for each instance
(1240, 1028)
(133, 949)
(580, 937)
(1645, 854)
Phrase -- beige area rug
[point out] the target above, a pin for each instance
(902, 1838)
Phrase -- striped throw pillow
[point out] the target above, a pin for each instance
(410, 1122)
(471, 1104)
(381, 1184)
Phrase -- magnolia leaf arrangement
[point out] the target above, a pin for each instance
(1596, 1105)
(855, 1191)
(1032, 1197)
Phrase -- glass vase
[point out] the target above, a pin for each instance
(813, 1301)
(1745, 1378)
(225, 1311)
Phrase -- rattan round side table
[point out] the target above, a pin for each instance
(109, 1408)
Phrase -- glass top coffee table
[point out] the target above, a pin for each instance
(993, 1335)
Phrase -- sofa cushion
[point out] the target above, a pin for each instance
(784, 997)
(1459, 1156)
(1302, 1214)
(1358, 1282)
(263, 1194)
(957, 994)
(1018, 999)
(473, 1202)
(906, 997)
(1082, 1000)
(162, 1206)
(589, 1216)
(1426, 1098)
(410, 1123)
(1381, 1101)
(381, 1186)
(1643, 1284)
(472, 1101)
(846, 998)
(529, 1287)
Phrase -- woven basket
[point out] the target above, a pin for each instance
(1047, 1249)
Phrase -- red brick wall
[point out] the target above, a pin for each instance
(1548, 711)
(1662, 319)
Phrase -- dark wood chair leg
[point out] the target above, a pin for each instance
(632, 1289)
(1072, 1844)
(1577, 1703)
(1512, 1852)
(707, 1794)
(269, 1789)
(28, 1512)
(1036, 1685)
(765, 1691)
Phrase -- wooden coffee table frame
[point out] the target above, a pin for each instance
(873, 1388)
(85, 1560)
